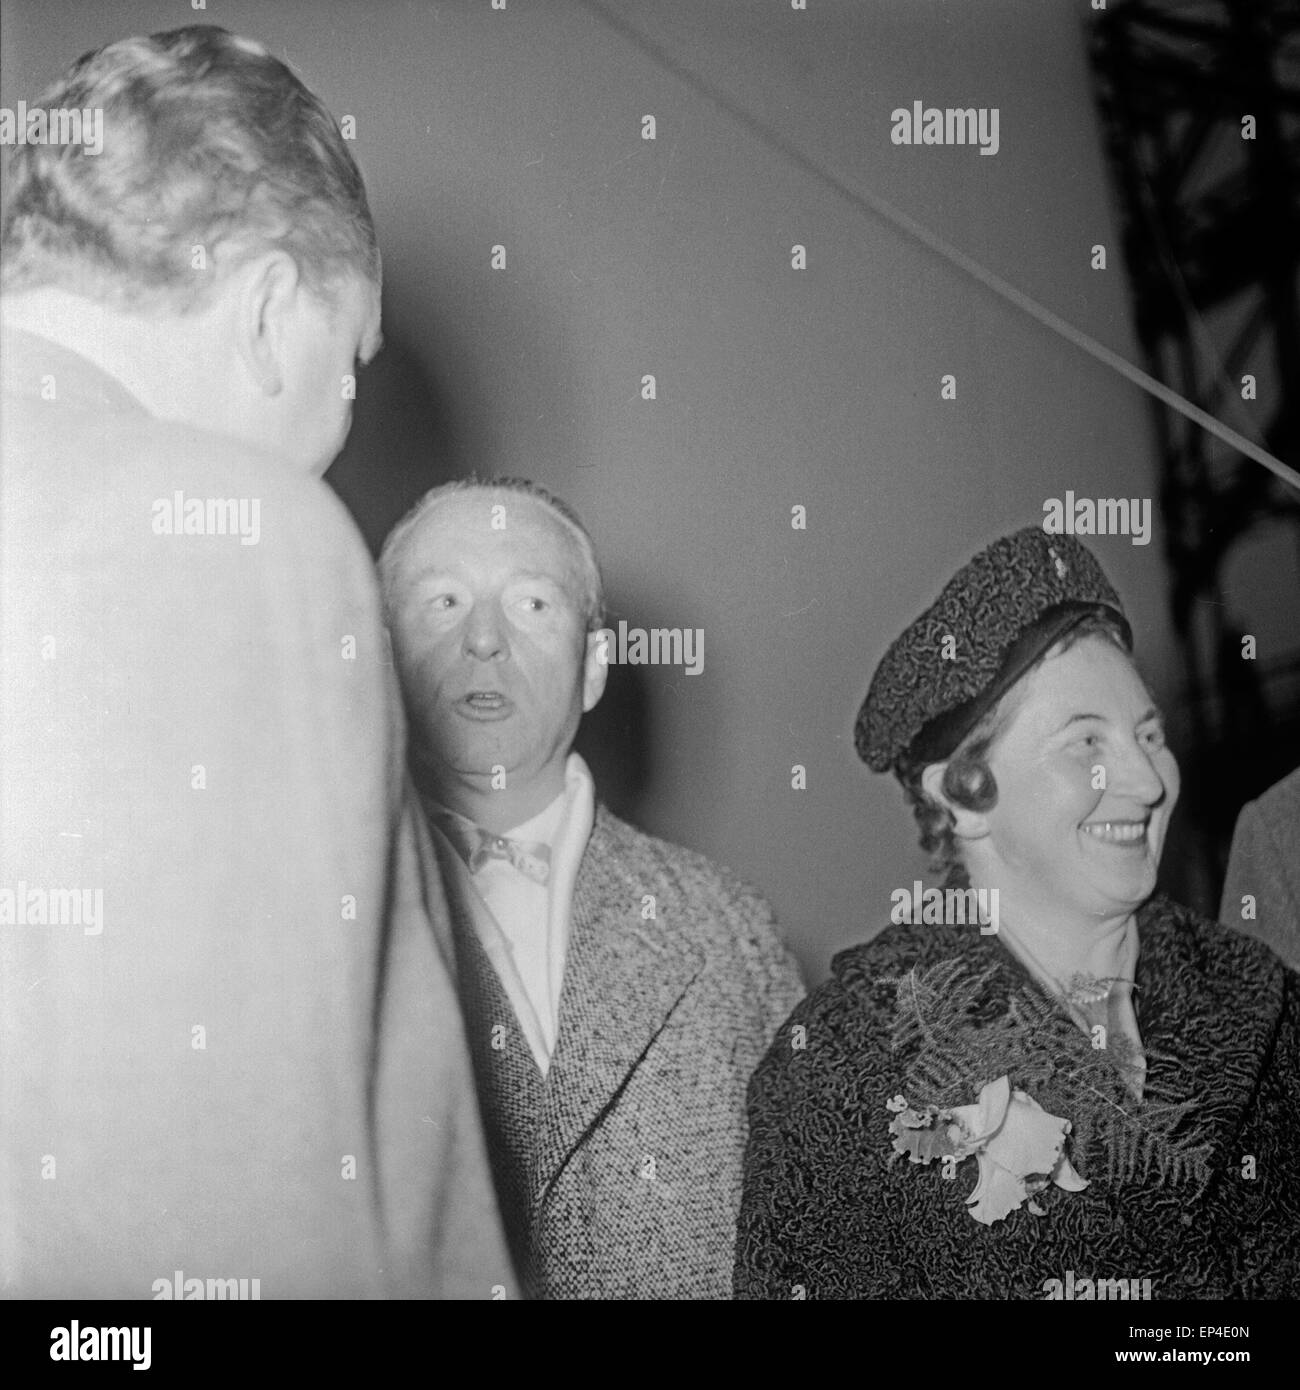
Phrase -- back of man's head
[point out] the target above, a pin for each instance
(212, 151)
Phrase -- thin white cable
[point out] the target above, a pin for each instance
(1002, 288)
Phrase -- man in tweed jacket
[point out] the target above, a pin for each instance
(618, 991)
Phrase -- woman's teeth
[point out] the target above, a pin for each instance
(1117, 831)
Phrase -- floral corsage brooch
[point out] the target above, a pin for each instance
(969, 1092)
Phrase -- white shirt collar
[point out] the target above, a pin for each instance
(512, 924)
(545, 823)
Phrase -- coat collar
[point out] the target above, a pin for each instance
(1208, 1002)
(623, 978)
(27, 359)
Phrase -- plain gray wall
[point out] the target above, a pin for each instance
(775, 387)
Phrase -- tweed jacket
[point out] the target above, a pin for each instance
(251, 1063)
(1265, 863)
(619, 1172)
(826, 1214)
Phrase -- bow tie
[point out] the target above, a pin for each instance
(476, 846)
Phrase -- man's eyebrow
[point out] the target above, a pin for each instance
(438, 573)
(535, 577)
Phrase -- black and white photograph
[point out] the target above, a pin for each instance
(650, 653)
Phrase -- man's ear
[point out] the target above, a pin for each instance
(595, 668)
(967, 824)
(267, 289)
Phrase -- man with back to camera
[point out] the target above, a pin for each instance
(618, 990)
(231, 1045)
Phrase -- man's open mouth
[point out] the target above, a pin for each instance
(485, 704)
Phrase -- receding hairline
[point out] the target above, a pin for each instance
(582, 549)
(420, 513)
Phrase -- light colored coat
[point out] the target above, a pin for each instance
(255, 1067)
(619, 1173)
(1265, 865)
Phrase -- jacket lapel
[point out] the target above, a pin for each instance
(623, 978)
(508, 1080)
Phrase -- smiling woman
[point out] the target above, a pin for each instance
(1121, 1071)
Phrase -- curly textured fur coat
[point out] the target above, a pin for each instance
(826, 1215)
